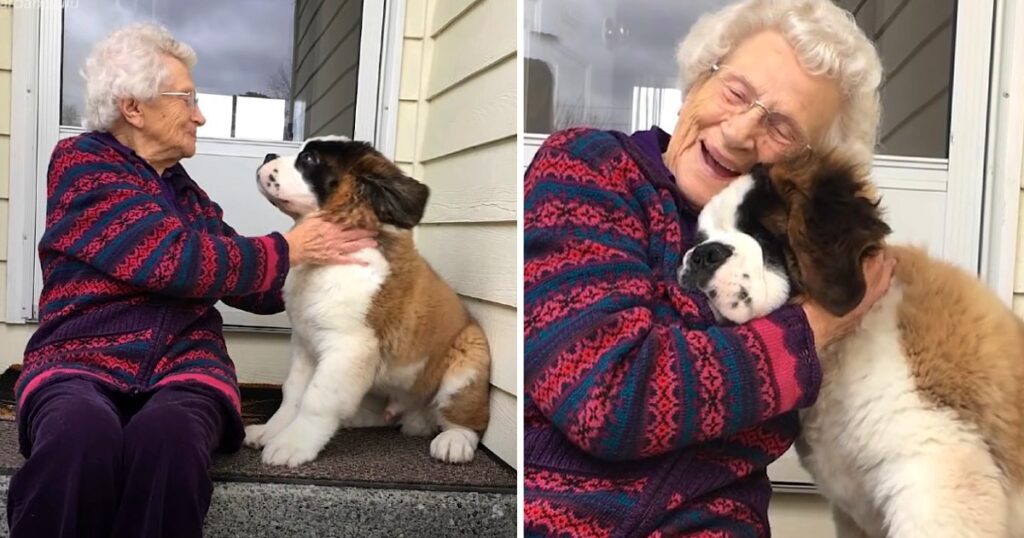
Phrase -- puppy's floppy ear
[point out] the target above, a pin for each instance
(396, 198)
(832, 230)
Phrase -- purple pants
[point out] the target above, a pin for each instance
(107, 464)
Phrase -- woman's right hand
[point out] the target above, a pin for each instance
(316, 241)
(827, 328)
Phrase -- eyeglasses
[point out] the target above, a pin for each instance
(191, 98)
(736, 95)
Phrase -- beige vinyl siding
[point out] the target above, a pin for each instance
(325, 69)
(457, 134)
(13, 337)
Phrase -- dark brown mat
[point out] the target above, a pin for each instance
(372, 457)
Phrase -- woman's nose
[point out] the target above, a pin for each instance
(198, 117)
(739, 131)
(269, 157)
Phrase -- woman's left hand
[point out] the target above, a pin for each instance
(317, 241)
(878, 271)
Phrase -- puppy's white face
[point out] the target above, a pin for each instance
(282, 182)
(736, 263)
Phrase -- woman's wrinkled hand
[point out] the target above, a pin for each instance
(316, 241)
(878, 271)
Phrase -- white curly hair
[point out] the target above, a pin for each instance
(827, 42)
(128, 63)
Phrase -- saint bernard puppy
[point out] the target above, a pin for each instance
(390, 330)
(917, 430)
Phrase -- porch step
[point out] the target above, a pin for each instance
(366, 482)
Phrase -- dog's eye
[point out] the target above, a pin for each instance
(308, 159)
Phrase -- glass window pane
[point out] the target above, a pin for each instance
(606, 63)
(238, 55)
(250, 52)
(327, 66)
(915, 40)
(611, 64)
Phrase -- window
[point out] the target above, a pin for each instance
(615, 68)
(244, 84)
(915, 41)
(258, 75)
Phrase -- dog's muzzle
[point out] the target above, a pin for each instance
(702, 263)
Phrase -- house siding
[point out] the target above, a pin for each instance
(457, 134)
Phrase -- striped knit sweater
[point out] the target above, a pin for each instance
(642, 417)
(133, 264)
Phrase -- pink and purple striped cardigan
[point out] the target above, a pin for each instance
(133, 264)
(642, 415)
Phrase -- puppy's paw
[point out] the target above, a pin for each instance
(255, 436)
(457, 445)
(732, 300)
(290, 448)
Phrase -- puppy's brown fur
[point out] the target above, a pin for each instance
(965, 347)
(415, 314)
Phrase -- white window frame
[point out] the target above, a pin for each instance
(35, 127)
(969, 122)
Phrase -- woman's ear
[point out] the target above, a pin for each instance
(831, 232)
(131, 111)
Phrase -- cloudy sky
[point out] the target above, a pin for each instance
(241, 44)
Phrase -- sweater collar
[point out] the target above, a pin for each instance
(173, 175)
(650, 146)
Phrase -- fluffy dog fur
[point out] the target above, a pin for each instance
(391, 330)
(917, 430)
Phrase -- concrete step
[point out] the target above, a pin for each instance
(365, 483)
(371, 482)
(271, 510)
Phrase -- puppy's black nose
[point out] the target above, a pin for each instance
(709, 256)
(269, 157)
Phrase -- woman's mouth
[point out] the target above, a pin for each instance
(718, 169)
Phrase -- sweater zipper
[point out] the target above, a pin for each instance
(149, 363)
(171, 199)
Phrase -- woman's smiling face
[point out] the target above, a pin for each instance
(722, 133)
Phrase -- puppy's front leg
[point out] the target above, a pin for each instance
(946, 490)
(299, 376)
(343, 376)
(846, 527)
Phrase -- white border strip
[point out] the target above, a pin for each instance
(1004, 163)
(21, 231)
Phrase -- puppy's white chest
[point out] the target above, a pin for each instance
(870, 423)
(333, 297)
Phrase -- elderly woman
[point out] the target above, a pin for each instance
(127, 388)
(642, 417)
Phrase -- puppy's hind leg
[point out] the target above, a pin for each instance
(343, 376)
(301, 372)
(372, 413)
(462, 401)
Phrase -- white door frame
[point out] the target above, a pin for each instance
(35, 124)
(1004, 163)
